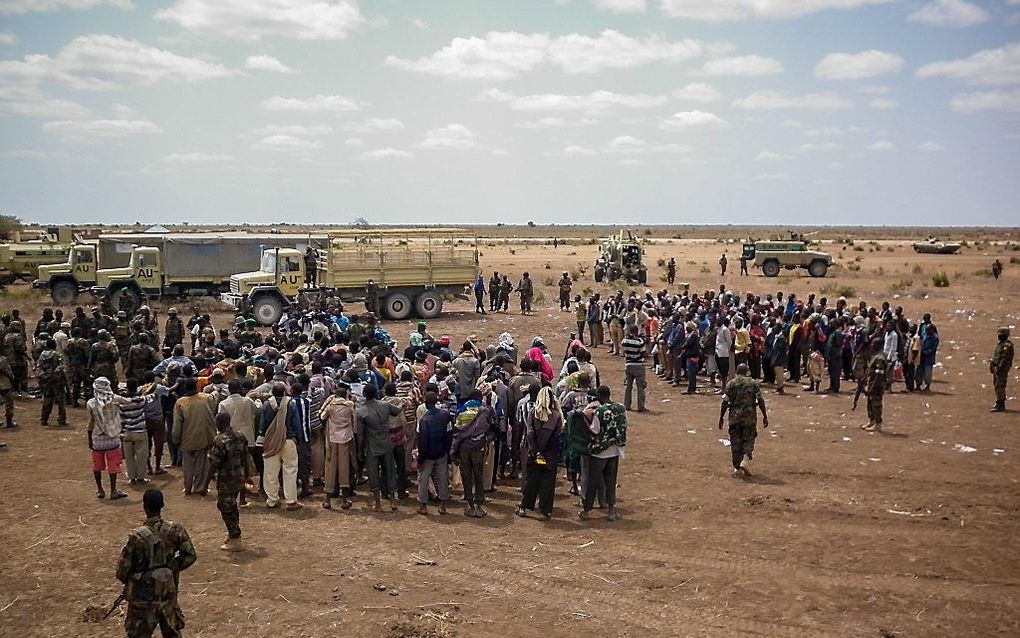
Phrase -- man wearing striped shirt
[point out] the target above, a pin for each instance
(633, 346)
(135, 439)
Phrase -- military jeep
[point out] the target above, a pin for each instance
(789, 252)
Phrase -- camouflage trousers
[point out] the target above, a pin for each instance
(226, 503)
(875, 407)
(53, 394)
(7, 397)
(999, 381)
(143, 618)
(742, 438)
(78, 381)
(20, 377)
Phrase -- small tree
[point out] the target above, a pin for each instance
(361, 222)
(9, 224)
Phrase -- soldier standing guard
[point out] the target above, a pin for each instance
(104, 357)
(16, 352)
(6, 391)
(741, 396)
(150, 566)
(999, 366)
(53, 382)
(228, 460)
(875, 383)
(173, 333)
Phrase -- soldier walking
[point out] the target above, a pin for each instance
(53, 383)
(173, 331)
(16, 351)
(741, 396)
(150, 566)
(722, 265)
(228, 461)
(996, 268)
(104, 357)
(999, 366)
(7, 391)
(141, 358)
(671, 271)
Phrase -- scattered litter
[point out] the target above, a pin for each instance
(997, 451)
(379, 587)
(874, 460)
(588, 544)
(964, 448)
(666, 400)
(847, 439)
(902, 513)
(692, 431)
(725, 442)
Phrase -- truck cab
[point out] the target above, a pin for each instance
(65, 281)
(142, 277)
(280, 276)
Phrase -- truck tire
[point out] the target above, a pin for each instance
(818, 268)
(267, 310)
(397, 306)
(429, 304)
(64, 293)
(770, 268)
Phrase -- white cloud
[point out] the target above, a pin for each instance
(17, 7)
(291, 129)
(594, 103)
(855, 66)
(289, 144)
(990, 67)
(94, 130)
(987, 101)
(267, 63)
(421, 24)
(622, 6)
(252, 20)
(103, 62)
(630, 145)
(769, 156)
(875, 89)
(730, 10)
(685, 120)
(950, 13)
(823, 147)
(495, 95)
(930, 147)
(198, 158)
(376, 124)
(774, 100)
(385, 153)
(743, 66)
(884, 104)
(884, 146)
(771, 177)
(8, 39)
(555, 122)
(27, 101)
(314, 104)
(455, 137)
(20, 153)
(578, 150)
(354, 141)
(697, 92)
(502, 55)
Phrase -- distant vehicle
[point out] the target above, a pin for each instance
(22, 259)
(790, 252)
(413, 270)
(935, 247)
(621, 257)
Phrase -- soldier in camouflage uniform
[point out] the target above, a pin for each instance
(39, 346)
(122, 335)
(57, 323)
(104, 357)
(999, 366)
(173, 331)
(141, 358)
(101, 321)
(81, 320)
(250, 336)
(244, 306)
(53, 382)
(741, 396)
(78, 352)
(16, 352)
(874, 387)
(228, 460)
(150, 564)
(6, 391)
(147, 322)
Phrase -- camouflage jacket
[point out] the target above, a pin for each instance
(15, 349)
(78, 352)
(50, 369)
(173, 331)
(878, 375)
(104, 353)
(157, 544)
(228, 458)
(6, 374)
(1002, 357)
(141, 358)
(742, 395)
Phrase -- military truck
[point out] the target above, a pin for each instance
(789, 252)
(22, 259)
(68, 280)
(620, 257)
(186, 264)
(412, 268)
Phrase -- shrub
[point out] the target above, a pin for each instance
(648, 231)
(917, 270)
(539, 296)
(853, 267)
(547, 266)
(1014, 260)
(705, 270)
(691, 262)
(575, 274)
(983, 272)
(838, 290)
(661, 263)
(940, 280)
(889, 249)
(903, 284)
(588, 291)
(858, 249)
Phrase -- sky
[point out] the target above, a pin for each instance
(624, 112)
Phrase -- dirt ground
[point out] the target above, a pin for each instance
(840, 533)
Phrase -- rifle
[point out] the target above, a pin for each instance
(120, 598)
(857, 395)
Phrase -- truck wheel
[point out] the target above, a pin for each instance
(818, 268)
(397, 306)
(770, 268)
(429, 304)
(267, 310)
(64, 293)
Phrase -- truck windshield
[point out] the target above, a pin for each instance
(269, 262)
(83, 257)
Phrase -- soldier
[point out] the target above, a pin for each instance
(722, 265)
(17, 356)
(80, 320)
(494, 287)
(122, 335)
(58, 322)
(504, 294)
(104, 357)
(173, 331)
(126, 302)
(38, 347)
(564, 285)
(100, 321)
(311, 272)
(743, 265)
(16, 316)
(6, 391)
(741, 396)
(79, 353)
(671, 271)
(244, 306)
(996, 268)
(150, 566)
(250, 336)
(53, 382)
(43, 325)
(372, 297)
(228, 460)
(999, 366)
(141, 358)
(147, 323)
(875, 382)
(527, 291)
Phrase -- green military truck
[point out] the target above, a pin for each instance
(21, 260)
(790, 252)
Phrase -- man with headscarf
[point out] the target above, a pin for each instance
(104, 436)
(542, 450)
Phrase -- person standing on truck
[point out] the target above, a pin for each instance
(311, 271)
